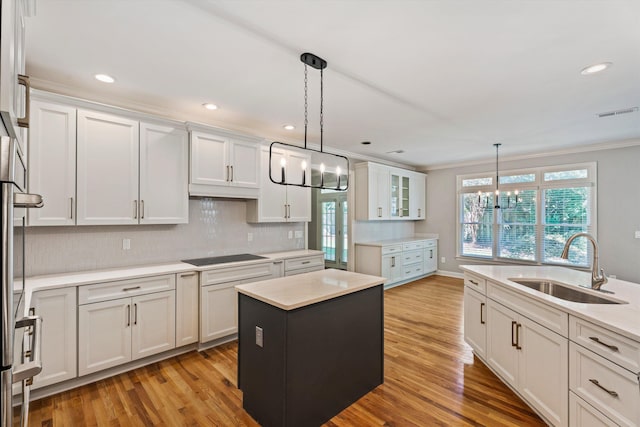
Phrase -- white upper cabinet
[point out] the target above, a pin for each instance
(164, 170)
(52, 163)
(224, 165)
(107, 169)
(281, 203)
(384, 192)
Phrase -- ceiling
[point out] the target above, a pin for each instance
(442, 80)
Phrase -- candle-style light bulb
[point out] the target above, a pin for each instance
(338, 171)
(283, 163)
(479, 196)
(321, 174)
(304, 171)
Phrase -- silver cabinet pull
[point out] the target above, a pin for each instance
(419, 212)
(23, 122)
(135, 209)
(306, 262)
(133, 288)
(379, 212)
(141, 209)
(393, 261)
(518, 346)
(609, 346)
(514, 343)
(71, 207)
(597, 384)
(188, 274)
(482, 322)
(128, 314)
(227, 178)
(431, 254)
(231, 173)
(135, 314)
(34, 366)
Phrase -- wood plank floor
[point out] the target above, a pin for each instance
(431, 378)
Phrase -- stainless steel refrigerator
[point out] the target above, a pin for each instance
(20, 334)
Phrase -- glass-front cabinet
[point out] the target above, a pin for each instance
(400, 185)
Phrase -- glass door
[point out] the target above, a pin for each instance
(332, 230)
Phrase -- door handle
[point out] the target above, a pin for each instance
(71, 207)
(597, 384)
(227, 177)
(135, 313)
(419, 212)
(188, 274)
(609, 346)
(23, 122)
(518, 347)
(231, 173)
(135, 209)
(141, 209)
(393, 261)
(514, 343)
(133, 288)
(482, 322)
(128, 314)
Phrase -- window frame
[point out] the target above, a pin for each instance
(539, 185)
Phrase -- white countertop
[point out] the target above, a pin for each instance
(388, 242)
(289, 293)
(621, 318)
(52, 281)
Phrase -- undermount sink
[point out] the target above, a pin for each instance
(564, 292)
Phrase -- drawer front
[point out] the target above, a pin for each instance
(412, 270)
(107, 291)
(411, 246)
(541, 313)
(412, 257)
(621, 350)
(581, 414)
(430, 243)
(303, 270)
(612, 390)
(316, 261)
(234, 274)
(393, 249)
(475, 282)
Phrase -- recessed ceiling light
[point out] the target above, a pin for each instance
(289, 127)
(210, 106)
(595, 68)
(104, 78)
(366, 143)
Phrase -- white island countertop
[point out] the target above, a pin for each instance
(289, 293)
(621, 318)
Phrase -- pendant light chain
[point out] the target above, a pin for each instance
(321, 110)
(306, 120)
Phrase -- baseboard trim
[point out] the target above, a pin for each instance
(455, 274)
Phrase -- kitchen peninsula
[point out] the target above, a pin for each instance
(309, 345)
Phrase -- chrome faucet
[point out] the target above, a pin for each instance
(597, 277)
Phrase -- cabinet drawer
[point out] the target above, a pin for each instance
(541, 313)
(581, 414)
(410, 246)
(125, 288)
(612, 390)
(475, 282)
(234, 274)
(621, 350)
(412, 257)
(391, 249)
(412, 270)
(303, 270)
(316, 261)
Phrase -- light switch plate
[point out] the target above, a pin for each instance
(637, 234)
(259, 337)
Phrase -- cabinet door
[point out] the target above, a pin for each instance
(391, 268)
(543, 372)
(104, 335)
(219, 314)
(381, 193)
(430, 259)
(107, 169)
(475, 321)
(164, 166)
(417, 196)
(271, 204)
(12, 57)
(244, 158)
(209, 162)
(187, 293)
(153, 317)
(52, 163)
(298, 198)
(57, 307)
(501, 351)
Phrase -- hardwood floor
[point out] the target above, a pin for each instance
(431, 378)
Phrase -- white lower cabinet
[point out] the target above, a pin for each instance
(391, 268)
(305, 264)
(219, 300)
(431, 256)
(581, 414)
(57, 307)
(187, 308)
(120, 330)
(475, 321)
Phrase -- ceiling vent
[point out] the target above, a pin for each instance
(618, 112)
(395, 152)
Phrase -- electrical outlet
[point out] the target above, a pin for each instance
(249, 237)
(298, 234)
(443, 260)
(126, 244)
(291, 234)
(259, 337)
(637, 234)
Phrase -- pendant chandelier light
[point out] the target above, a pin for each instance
(305, 167)
(508, 204)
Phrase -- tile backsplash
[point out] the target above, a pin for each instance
(216, 227)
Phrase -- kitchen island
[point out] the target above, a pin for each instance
(309, 345)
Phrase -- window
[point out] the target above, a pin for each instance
(539, 210)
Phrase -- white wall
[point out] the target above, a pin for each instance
(216, 227)
(618, 206)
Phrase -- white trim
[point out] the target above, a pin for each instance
(455, 274)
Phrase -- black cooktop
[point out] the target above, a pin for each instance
(199, 262)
